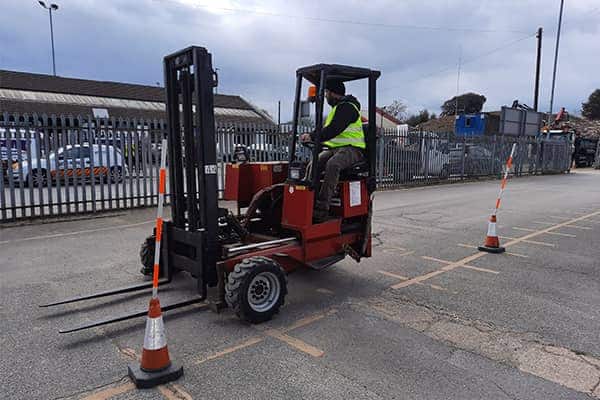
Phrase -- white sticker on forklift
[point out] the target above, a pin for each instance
(210, 169)
(355, 194)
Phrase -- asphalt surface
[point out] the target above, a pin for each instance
(428, 317)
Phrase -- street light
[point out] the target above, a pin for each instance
(52, 7)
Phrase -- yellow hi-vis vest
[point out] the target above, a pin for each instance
(353, 135)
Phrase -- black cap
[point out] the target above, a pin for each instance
(336, 86)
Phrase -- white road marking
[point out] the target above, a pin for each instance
(57, 235)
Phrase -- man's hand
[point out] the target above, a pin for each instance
(305, 137)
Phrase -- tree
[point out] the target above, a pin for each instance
(397, 110)
(591, 109)
(467, 102)
(419, 118)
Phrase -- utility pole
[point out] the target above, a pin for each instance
(562, 3)
(458, 80)
(50, 8)
(279, 113)
(538, 63)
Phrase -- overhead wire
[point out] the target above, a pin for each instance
(467, 61)
(341, 21)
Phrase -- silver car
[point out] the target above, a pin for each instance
(73, 162)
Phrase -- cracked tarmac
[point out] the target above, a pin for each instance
(512, 327)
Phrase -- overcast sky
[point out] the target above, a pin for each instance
(258, 45)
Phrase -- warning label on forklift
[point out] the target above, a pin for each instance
(355, 199)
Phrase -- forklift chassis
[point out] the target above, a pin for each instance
(244, 259)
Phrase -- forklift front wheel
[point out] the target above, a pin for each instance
(256, 289)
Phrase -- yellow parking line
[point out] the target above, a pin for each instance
(404, 278)
(111, 392)
(467, 260)
(436, 287)
(585, 228)
(469, 246)
(219, 354)
(463, 266)
(489, 271)
(401, 254)
(436, 260)
(295, 342)
(308, 320)
(510, 253)
(174, 392)
(529, 241)
(549, 233)
(280, 334)
(392, 275)
(401, 249)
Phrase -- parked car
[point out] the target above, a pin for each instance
(478, 160)
(71, 162)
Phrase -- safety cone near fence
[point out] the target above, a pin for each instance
(156, 366)
(492, 242)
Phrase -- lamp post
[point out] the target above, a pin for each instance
(560, 14)
(50, 8)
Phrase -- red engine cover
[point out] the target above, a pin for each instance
(242, 181)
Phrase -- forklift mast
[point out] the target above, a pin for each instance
(189, 83)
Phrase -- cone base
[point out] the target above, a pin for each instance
(496, 250)
(145, 380)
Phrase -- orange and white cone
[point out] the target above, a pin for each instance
(492, 242)
(155, 367)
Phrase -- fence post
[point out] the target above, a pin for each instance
(426, 146)
(464, 155)
(381, 143)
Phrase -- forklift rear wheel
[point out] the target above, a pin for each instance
(256, 289)
(147, 257)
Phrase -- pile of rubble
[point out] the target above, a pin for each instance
(586, 127)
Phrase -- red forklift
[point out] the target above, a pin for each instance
(241, 259)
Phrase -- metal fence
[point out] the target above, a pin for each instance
(69, 165)
(416, 158)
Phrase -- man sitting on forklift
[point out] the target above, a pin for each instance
(344, 139)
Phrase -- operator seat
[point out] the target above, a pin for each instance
(360, 169)
(356, 171)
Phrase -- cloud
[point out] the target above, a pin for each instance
(257, 45)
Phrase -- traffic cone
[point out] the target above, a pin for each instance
(155, 367)
(492, 243)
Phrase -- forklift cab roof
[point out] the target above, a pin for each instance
(344, 73)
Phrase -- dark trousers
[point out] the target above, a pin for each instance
(333, 161)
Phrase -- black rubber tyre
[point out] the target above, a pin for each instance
(38, 178)
(115, 175)
(261, 279)
(147, 255)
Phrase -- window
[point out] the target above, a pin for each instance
(84, 152)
